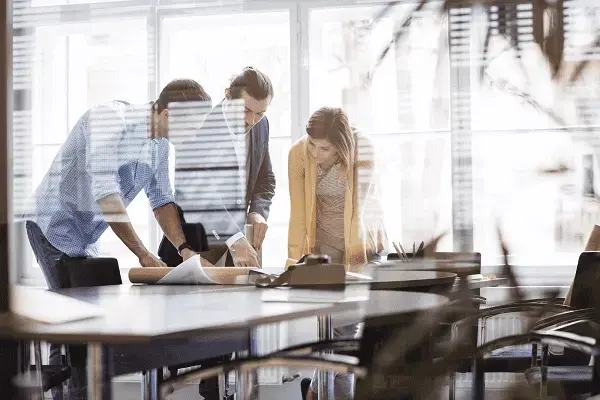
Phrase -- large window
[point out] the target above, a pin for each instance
(525, 123)
(398, 100)
(454, 130)
(76, 66)
(212, 49)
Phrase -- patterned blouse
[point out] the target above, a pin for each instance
(330, 199)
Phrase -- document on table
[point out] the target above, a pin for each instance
(49, 307)
(353, 276)
(190, 272)
(286, 294)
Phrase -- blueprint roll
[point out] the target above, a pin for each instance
(219, 275)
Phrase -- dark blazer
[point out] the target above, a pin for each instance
(210, 179)
(261, 179)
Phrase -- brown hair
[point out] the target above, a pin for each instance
(180, 90)
(332, 124)
(254, 82)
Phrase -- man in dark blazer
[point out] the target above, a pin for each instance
(223, 176)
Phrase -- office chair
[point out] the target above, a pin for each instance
(575, 376)
(518, 360)
(73, 272)
(354, 356)
(580, 344)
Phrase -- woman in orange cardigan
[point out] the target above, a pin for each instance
(335, 208)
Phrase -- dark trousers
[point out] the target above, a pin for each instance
(47, 255)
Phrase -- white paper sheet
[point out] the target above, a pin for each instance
(354, 276)
(188, 272)
(49, 307)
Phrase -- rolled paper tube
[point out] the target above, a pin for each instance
(147, 275)
(221, 275)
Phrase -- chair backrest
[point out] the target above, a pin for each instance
(80, 272)
(194, 234)
(586, 284)
(384, 334)
(460, 263)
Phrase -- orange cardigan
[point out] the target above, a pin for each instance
(364, 232)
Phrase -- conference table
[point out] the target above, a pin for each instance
(138, 315)
(142, 317)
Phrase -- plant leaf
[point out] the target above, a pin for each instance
(397, 35)
(555, 42)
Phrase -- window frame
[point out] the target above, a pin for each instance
(200, 10)
(154, 15)
(154, 11)
(28, 273)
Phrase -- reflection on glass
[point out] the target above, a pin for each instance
(222, 45)
(334, 189)
(527, 128)
(113, 152)
(210, 172)
(71, 68)
(408, 92)
(404, 92)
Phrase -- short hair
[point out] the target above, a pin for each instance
(254, 82)
(180, 90)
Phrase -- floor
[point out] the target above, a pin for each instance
(288, 391)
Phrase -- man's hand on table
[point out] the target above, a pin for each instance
(149, 260)
(259, 229)
(244, 254)
(186, 254)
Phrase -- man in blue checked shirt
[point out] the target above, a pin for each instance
(113, 152)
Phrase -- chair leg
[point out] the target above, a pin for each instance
(544, 373)
(68, 362)
(452, 386)
(149, 385)
(534, 358)
(244, 382)
(24, 356)
(223, 386)
(37, 348)
(478, 379)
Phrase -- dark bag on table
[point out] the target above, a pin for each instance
(83, 271)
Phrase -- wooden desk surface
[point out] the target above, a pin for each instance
(139, 313)
(389, 279)
(143, 313)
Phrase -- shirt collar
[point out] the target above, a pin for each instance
(236, 136)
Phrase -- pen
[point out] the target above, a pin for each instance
(400, 252)
(403, 252)
(421, 247)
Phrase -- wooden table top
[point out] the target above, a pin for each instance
(140, 313)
